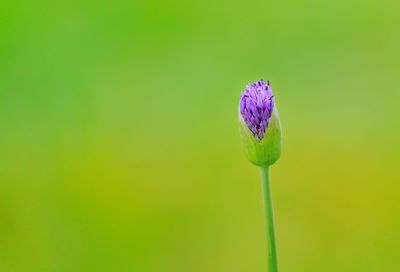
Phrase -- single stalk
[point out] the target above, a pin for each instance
(269, 220)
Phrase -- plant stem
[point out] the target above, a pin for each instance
(269, 220)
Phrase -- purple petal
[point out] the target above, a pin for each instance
(256, 106)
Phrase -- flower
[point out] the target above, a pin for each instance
(259, 124)
(256, 105)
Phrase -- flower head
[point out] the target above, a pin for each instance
(260, 126)
(256, 105)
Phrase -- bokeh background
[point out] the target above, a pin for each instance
(119, 145)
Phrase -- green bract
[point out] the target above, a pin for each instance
(266, 151)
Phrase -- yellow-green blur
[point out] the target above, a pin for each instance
(119, 142)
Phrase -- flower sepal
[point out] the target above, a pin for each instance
(267, 151)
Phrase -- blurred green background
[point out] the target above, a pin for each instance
(119, 144)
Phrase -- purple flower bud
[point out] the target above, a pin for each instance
(256, 106)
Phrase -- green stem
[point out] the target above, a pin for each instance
(269, 220)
